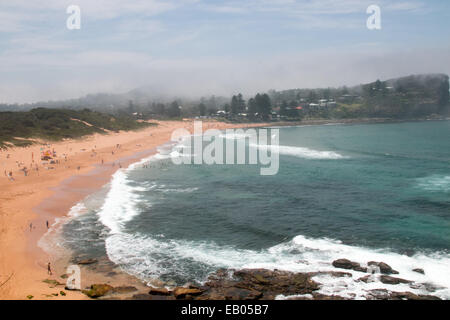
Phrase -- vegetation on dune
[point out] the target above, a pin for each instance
(20, 128)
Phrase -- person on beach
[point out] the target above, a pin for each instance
(46, 223)
(49, 269)
(31, 227)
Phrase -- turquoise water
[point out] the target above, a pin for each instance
(365, 192)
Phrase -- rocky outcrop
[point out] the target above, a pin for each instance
(159, 292)
(98, 290)
(263, 284)
(392, 280)
(181, 293)
(252, 284)
(87, 261)
(349, 265)
(383, 294)
(384, 267)
(419, 270)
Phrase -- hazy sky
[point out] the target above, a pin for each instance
(213, 47)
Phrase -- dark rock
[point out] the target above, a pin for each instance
(141, 296)
(159, 292)
(234, 293)
(87, 261)
(98, 290)
(427, 286)
(125, 289)
(180, 292)
(251, 284)
(378, 294)
(418, 270)
(410, 296)
(319, 296)
(392, 280)
(364, 279)
(144, 296)
(384, 267)
(347, 264)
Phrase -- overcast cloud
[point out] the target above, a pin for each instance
(194, 47)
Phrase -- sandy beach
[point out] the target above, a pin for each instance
(28, 201)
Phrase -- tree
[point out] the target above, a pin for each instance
(284, 108)
(326, 93)
(240, 103)
(201, 109)
(234, 105)
(344, 90)
(443, 94)
(263, 105)
(174, 110)
(159, 109)
(237, 104)
(312, 97)
(252, 108)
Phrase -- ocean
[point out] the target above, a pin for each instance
(361, 191)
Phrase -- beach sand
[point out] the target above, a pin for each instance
(28, 202)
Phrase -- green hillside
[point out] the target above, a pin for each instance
(18, 128)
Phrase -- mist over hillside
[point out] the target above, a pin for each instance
(414, 95)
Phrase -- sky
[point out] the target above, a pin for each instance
(221, 47)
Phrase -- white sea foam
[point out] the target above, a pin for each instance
(300, 152)
(150, 257)
(120, 203)
(435, 183)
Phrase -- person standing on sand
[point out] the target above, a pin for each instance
(47, 223)
(31, 227)
(49, 269)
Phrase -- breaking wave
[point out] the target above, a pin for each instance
(434, 183)
(300, 152)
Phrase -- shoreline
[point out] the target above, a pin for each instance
(56, 197)
(46, 195)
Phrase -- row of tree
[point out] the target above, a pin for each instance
(258, 107)
(172, 110)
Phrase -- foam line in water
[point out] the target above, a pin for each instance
(300, 152)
